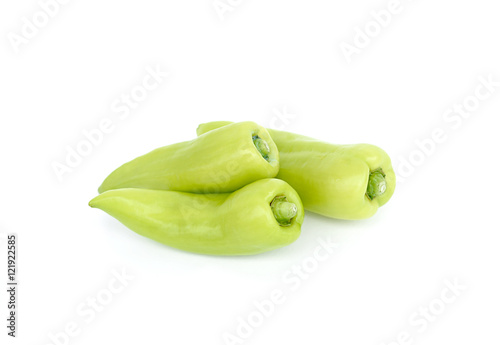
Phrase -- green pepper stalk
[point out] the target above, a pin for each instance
(283, 210)
(262, 146)
(377, 185)
(223, 160)
(337, 181)
(262, 216)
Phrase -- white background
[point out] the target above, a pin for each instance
(263, 60)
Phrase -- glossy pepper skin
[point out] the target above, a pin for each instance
(262, 216)
(223, 160)
(337, 181)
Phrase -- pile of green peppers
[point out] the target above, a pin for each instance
(241, 189)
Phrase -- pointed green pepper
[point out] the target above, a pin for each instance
(337, 181)
(262, 216)
(220, 161)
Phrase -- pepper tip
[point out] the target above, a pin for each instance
(92, 202)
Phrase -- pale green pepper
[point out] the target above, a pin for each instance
(223, 160)
(262, 216)
(337, 181)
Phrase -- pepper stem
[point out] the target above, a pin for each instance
(261, 146)
(283, 210)
(376, 184)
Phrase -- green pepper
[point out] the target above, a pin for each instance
(223, 160)
(337, 181)
(262, 216)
